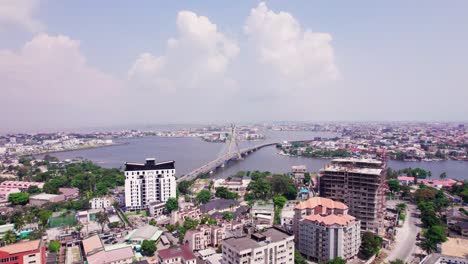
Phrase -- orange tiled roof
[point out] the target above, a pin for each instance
(22, 246)
(321, 201)
(331, 219)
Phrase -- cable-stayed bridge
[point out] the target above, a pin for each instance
(233, 153)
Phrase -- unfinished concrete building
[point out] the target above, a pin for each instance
(360, 184)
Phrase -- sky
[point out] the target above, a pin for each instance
(73, 64)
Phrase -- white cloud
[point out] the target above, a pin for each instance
(296, 54)
(20, 13)
(197, 59)
(48, 82)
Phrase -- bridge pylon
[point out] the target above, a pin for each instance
(233, 147)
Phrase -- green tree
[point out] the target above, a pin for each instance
(370, 245)
(394, 185)
(436, 234)
(18, 198)
(307, 178)
(184, 187)
(148, 247)
(279, 201)
(401, 207)
(203, 197)
(397, 261)
(102, 218)
(172, 204)
(337, 260)
(54, 246)
(425, 194)
(228, 216)
(259, 189)
(9, 237)
(34, 190)
(298, 258)
(223, 192)
(44, 216)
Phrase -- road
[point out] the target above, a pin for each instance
(405, 239)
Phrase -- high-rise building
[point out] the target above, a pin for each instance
(360, 184)
(324, 230)
(272, 246)
(149, 182)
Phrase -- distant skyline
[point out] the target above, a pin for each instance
(81, 64)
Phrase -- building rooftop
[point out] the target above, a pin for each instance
(92, 244)
(147, 232)
(43, 196)
(257, 239)
(332, 219)
(339, 168)
(355, 160)
(219, 204)
(321, 201)
(150, 165)
(180, 251)
(22, 246)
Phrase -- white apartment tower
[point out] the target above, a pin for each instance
(148, 182)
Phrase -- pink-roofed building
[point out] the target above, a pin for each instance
(22, 185)
(324, 230)
(407, 180)
(175, 255)
(96, 253)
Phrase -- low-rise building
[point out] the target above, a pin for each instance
(22, 185)
(236, 185)
(156, 209)
(179, 216)
(147, 232)
(5, 193)
(437, 258)
(263, 214)
(179, 254)
(70, 193)
(96, 253)
(298, 173)
(23, 252)
(204, 236)
(43, 198)
(273, 246)
(101, 202)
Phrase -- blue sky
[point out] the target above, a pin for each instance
(395, 60)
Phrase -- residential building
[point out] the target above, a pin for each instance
(95, 252)
(156, 209)
(23, 252)
(324, 230)
(5, 193)
(179, 254)
(101, 202)
(298, 173)
(43, 198)
(179, 216)
(437, 258)
(263, 214)
(70, 193)
(22, 185)
(273, 246)
(236, 185)
(147, 232)
(360, 184)
(149, 182)
(204, 236)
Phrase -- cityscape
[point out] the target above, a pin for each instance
(219, 132)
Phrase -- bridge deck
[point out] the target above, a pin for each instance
(212, 165)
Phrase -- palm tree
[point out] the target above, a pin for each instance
(9, 237)
(102, 219)
(428, 246)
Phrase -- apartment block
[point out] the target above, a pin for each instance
(23, 252)
(360, 184)
(324, 230)
(204, 236)
(149, 182)
(272, 246)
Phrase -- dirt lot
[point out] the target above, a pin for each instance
(456, 247)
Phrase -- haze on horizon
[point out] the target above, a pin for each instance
(67, 64)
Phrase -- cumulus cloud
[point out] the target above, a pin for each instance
(20, 13)
(47, 82)
(296, 54)
(200, 55)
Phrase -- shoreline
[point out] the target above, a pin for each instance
(75, 149)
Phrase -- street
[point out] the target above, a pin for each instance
(405, 246)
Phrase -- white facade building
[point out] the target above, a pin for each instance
(272, 246)
(149, 182)
(101, 202)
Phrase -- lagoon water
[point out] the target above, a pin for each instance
(191, 153)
